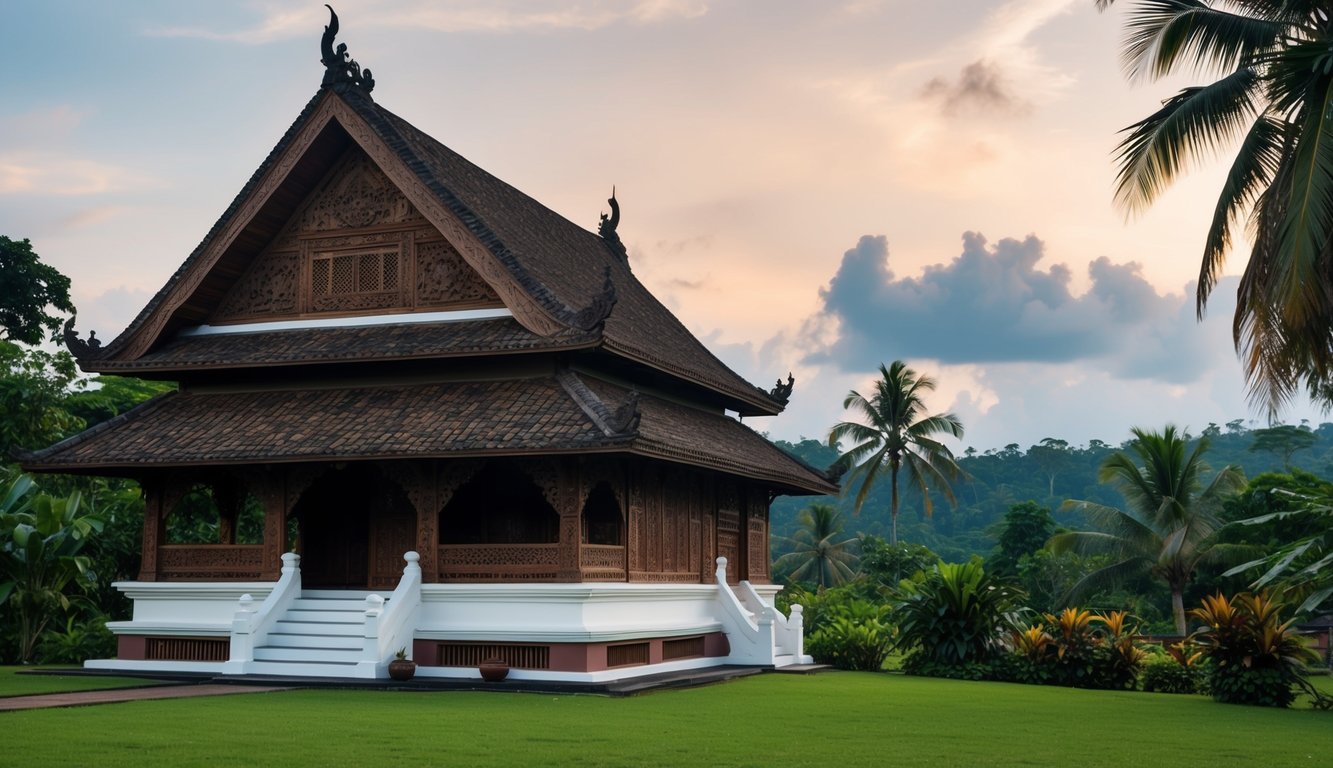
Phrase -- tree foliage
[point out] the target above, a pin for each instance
(897, 435)
(1170, 519)
(29, 289)
(1272, 99)
(820, 552)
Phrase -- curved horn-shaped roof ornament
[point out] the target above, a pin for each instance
(82, 350)
(591, 317)
(340, 70)
(782, 392)
(607, 227)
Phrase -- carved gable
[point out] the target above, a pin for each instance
(356, 246)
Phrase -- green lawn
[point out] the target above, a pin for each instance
(833, 718)
(12, 683)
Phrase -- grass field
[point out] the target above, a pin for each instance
(834, 718)
(12, 683)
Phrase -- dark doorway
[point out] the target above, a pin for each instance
(350, 520)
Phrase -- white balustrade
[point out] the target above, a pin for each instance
(390, 624)
(250, 625)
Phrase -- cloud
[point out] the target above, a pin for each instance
(980, 89)
(497, 16)
(48, 173)
(41, 124)
(998, 304)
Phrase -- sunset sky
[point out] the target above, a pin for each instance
(813, 187)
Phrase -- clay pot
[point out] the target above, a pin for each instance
(494, 670)
(402, 669)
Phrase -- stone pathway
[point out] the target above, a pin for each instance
(86, 698)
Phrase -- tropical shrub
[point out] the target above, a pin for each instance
(855, 636)
(1071, 649)
(1164, 674)
(1256, 657)
(952, 616)
(40, 562)
(77, 642)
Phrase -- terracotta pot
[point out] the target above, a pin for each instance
(494, 670)
(402, 669)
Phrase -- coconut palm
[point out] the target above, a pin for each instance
(1272, 100)
(897, 435)
(1171, 517)
(817, 553)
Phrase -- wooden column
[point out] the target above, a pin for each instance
(569, 569)
(154, 530)
(270, 488)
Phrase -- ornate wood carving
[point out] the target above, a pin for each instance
(269, 184)
(210, 562)
(450, 476)
(526, 310)
(356, 195)
(499, 562)
(444, 279)
(419, 482)
(268, 288)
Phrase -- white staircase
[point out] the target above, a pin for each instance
(321, 634)
(299, 632)
(757, 632)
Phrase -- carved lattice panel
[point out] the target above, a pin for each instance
(269, 288)
(209, 562)
(499, 562)
(347, 282)
(444, 279)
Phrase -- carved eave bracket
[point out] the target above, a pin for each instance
(82, 350)
(340, 70)
(782, 392)
(625, 419)
(607, 227)
(592, 317)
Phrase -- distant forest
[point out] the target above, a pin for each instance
(1047, 473)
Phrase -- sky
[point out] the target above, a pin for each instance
(815, 188)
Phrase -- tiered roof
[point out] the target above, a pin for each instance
(291, 392)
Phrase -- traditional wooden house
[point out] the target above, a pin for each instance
(428, 413)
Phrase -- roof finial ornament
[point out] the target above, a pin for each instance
(625, 419)
(340, 70)
(591, 317)
(607, 227)
(782, 392)
(82, 350)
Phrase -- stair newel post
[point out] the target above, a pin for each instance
(796, 631)
(371, 648)
(242, 626)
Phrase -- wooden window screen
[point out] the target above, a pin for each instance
(354, 273)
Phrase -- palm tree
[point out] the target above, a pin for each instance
(817, 554)
(1273, 100)
(897, 436)
(1171, 516)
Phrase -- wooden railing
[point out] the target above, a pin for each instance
(499, 562)
(210, 562)
(602, 562)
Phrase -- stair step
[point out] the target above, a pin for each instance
(325, 617)
(308, 669)
(302, 640)
(304, 603)
(343, 594)
(323, 629)
(306, 655)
